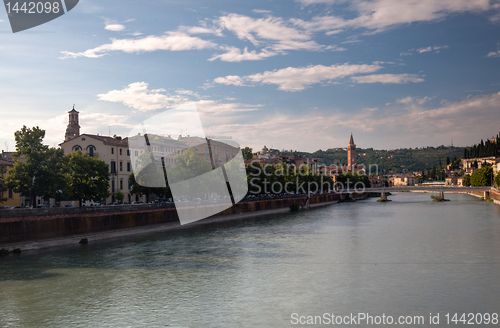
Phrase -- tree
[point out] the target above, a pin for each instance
(37, 169)
(3, 185)
(119, 196)
(466, 180)
(247, 153)
(87, 177)
(497, 180)
(482, 177)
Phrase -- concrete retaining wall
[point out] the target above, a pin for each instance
(28, 228)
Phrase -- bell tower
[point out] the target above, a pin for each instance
(73, 129)
(351, 154)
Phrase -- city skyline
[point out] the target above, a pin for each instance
(298, 75)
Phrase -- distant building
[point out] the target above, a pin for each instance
(73, 129)
(451, 181)
(114, 152)
(351, 154)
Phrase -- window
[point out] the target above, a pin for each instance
(11, 194)
(121, 166)
(128, 152)
(113, 167)
(112, 150)
(120, 151)
(121, 184)
(129, 186)
(128, 167)
(136, 153)
(112, 185)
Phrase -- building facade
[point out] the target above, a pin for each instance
(120, 156)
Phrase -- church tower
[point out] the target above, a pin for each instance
(351, 154)
(73, 129)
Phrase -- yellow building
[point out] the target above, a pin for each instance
(13, 198)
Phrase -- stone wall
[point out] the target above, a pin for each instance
(61, 222)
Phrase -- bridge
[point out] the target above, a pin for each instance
(437, 189)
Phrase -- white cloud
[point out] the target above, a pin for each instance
(200, 30)
(299, 78)
(410, 100)
(405, 100)
(435, 49)
(138, 96)
(378, 15)
(388, 78)
(114, 27)
(270, 31)
(230, 80)
(234, 54)
(464, 120)
(262, 11)
(171, 41)
(494, 54)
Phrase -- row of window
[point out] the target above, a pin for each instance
(121, 185)
(120, 150)
(113, 166)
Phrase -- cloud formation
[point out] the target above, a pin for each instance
(114, 27)
(379, 15)
(416, 126)
(171, 41)
(138, 96)
(299, 78)
(435, 49)
(388, 78)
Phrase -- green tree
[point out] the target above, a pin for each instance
(497, 180)
(482, 177)
(37, 169)
(87, 177)
(247, 153)
(466, 180)
(119, 196)
(3, 185)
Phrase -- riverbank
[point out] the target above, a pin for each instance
(240, 211)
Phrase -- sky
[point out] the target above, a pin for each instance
(298, 75)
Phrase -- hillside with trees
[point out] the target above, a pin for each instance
(390, 161)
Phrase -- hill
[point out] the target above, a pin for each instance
(389, 161)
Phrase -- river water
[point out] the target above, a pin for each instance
(408, 257)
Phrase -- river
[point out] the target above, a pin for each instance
(409, 257)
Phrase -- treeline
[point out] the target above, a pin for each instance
(40, 171)
(483, 149)
(481, 177)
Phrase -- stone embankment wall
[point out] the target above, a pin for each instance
(23, 225)
(492, 194)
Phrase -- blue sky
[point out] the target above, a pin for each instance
(286, 74)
